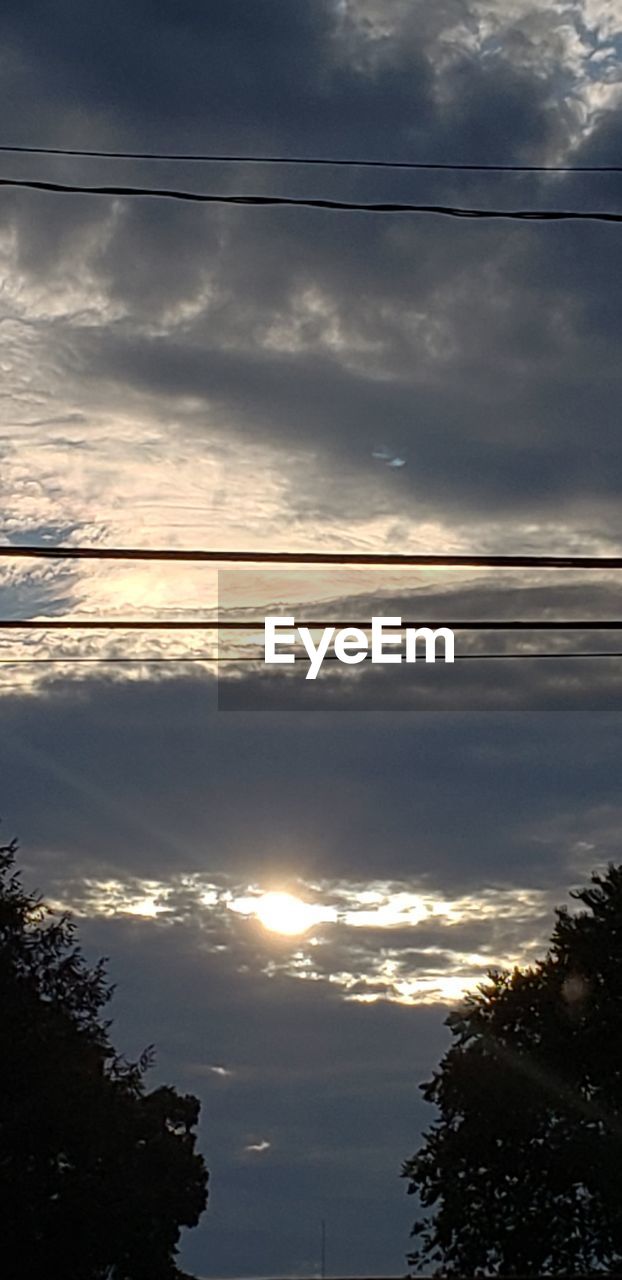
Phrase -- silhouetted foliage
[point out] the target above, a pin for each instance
(523, 1168)
(97, 1175)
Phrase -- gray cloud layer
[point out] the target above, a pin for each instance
(483, 355)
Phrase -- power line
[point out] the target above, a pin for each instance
(234, 657)
(257, 624)
(329, 161)
(303, 202)
(412, 559)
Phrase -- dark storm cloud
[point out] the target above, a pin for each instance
(229, 75)
(466, 348)
(144, 778)
(487, 398)
(312, 399)
(248, 73)
(522, 684)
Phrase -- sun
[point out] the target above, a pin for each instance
(284, 913)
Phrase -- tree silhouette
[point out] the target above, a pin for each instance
(523, 1167)
(97, 1175)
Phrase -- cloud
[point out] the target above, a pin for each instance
(142, 777)
(468, 345)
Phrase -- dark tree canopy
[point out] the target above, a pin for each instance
(97, 1175)
(522, 1171)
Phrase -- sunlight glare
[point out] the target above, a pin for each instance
(284, 913)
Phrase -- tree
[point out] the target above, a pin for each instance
(523, 1167)
(97, 1175)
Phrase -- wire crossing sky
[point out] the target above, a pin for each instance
(308, 202)
(226, 555)
(331, 161)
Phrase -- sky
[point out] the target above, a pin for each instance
(295, 379)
